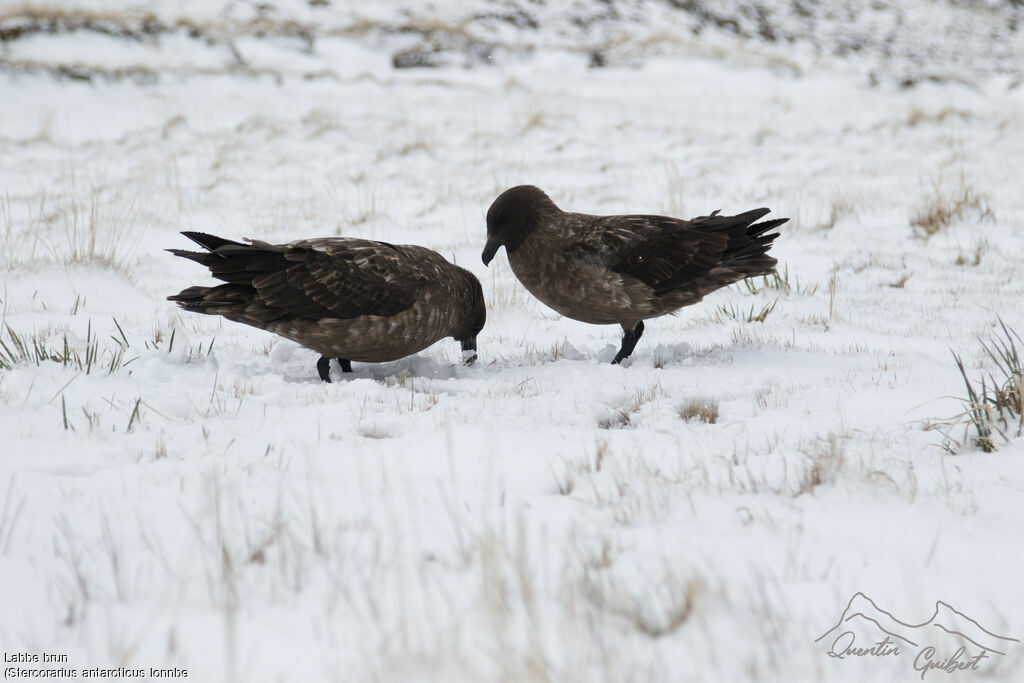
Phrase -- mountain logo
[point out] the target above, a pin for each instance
(949, 641)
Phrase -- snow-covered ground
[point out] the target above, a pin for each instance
(188, 494)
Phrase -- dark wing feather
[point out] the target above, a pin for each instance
(668, 253)
(208, 241)
(320, 278)
(660, 251)
(347, 277)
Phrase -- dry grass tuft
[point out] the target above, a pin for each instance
(704, 410)
(73, 225)
(319, 122)
(943, 206)
(506, 292)
(241, 389)
(839, 208)
(534, 117)
(917, 116)
(655, 607)
(374, 432)
(622, 416)
(674, 607)
(973, 259)
(618, 419)
(98, 232)
(825, 459)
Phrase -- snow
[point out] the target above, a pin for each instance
(541, 514)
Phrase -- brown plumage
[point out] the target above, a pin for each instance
(345, 298)
(623, 269)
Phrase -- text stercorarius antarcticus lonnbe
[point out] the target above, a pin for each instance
(623, 269)
(345, 298)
